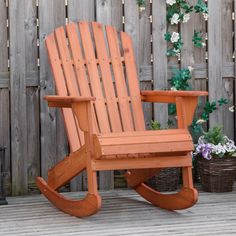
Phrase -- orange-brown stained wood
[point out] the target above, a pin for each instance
(97, 82)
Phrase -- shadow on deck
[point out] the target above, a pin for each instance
(123, 213)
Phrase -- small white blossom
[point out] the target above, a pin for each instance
(203, 45)
(205, 15)
(173, 88)
(186, 18)
(174, 37)
(170, 2)
(175, 19)
(200, 121)
(231, 109)
(190, 68)
(218, 149)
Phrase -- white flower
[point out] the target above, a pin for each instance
(205, 15)
(190, 68)
(173, 88)
(218, 149)
(170, 2)
(174, 37)
(203, 45)
(186, 18)
(231, 109)
(200, 121)
(175, 19)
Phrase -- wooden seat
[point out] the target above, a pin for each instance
(98, 91)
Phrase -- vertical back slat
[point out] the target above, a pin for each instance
(91, 64)
(132, 77)
(106, 77)
(72, 87)
(79, 64)
(121, 89)
(62, 90)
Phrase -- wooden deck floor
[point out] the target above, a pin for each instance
(123, 213)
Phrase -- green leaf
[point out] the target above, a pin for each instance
(172, 109)
(223, 101)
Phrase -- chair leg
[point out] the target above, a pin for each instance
(183, 199)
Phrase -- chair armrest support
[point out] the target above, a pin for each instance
(81, 107)
(186, 102)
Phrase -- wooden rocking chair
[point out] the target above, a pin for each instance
(98, 91)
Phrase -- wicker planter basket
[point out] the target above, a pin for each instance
(166, 180)
(217, 175)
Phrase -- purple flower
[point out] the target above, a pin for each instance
(204, 150)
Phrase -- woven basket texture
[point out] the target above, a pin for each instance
(217, 175)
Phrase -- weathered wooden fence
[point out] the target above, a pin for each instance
(34, 135)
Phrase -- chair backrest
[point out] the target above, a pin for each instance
(89, 59)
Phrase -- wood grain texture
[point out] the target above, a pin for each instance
(4, 96)
(227, 57)
(160, 79)
(215, 57)
(53, 142)
(109, 12)
(32, 93)
(18, 98)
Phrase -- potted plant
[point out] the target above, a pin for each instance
(216, 157)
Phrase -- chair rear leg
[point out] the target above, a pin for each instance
(183, 199)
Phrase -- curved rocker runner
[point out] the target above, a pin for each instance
(102, 107)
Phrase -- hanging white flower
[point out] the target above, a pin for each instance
(186, 18)
(175, 19)
(203, 45)
(174, 37)
(173, 88)
(205, 15)
(231, 109)
(170, 2)
(200, 121)
(190, 68)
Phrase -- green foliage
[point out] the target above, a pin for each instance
(223, 101)
(198, 39)
(155, 125)
(180, 79)
(175, 47)
(141, 3)
(181, 7)
(171, 109)
(214, 135)
(201, 7)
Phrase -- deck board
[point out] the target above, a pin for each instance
(123, 213)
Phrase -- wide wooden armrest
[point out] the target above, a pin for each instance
(186, 102)
(66, 101)
(168, 96)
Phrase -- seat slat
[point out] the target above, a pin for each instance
(104, 63)
(121, 88)
(101, 111)
(73, 136)
(79, 65)
(132, 77)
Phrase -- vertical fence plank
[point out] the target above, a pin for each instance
(32, 94)
(160, 80)
(79, 10)
(227, 58)
(108, 13)
(187, 53)
(18, 98)
(4, 96)
(215, 57)
(53, 142)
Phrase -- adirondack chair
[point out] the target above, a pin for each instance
(98, 91)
